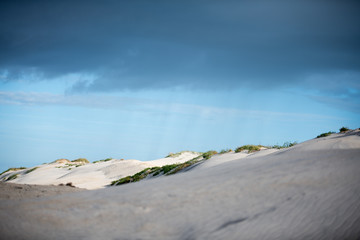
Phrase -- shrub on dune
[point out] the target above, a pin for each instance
(103, 160)
(289, 144)
(80, 160)
(209, 154)
(12, 177)
(225, 151)
(250, 148)
(138, 176)
(61, 160)
(174, 155)
(325, 134)
(344, 129)
(122, 181)
(166, 170)
(12, 169)
(285, 145)
(30, 170)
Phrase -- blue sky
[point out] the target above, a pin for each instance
(140, 79)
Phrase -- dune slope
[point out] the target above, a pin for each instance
(91, 175)
(309, 191)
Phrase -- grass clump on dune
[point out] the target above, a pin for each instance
(124, 180)
(61, 160)
(225, 151)
(209, 154)
(12, 177)
(103, 160)
(166, 170)
(250, 148)
(30, 170)
(325, 134)
(136, 177)
(174, 168)
(13, 169)
(80, 160)
(154, 171)
(187, 164)
(344, 129)
(285, 145)
(174, 155)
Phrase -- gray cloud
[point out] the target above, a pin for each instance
(348, 103)
(194, 44)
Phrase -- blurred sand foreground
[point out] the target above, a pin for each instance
(309, 191)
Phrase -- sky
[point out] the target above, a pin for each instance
(140, 79)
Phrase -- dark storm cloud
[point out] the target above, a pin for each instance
(197, 44)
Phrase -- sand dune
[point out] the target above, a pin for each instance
(90, 176)
(309, 191)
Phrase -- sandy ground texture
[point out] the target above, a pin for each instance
(13, 191)
(309, 191)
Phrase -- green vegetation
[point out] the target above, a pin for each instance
(250, 148)
(289, 144)
(136, 177)
(156, 170)
(325, 134)
(80, 160)
(344, 129)
(69, 165)
(174, 155)
(285, 145)
(208, 154)
(103, 160)
(166, 170)
(13, 169)
(121, 181)
(60, 160)
(186, 164)
(30, 170)
(12, 177)
(225, 151)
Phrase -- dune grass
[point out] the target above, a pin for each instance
(103, 160)
(136, 177)
(344, 129)
(325, 134)
(12, 169)
(285, 145)
(174, 155)
(165, 170)
(12, 177)
(80, 160)
(225, 151)
(60, 160)
(30, 170)
(209, 154)
(250, 148)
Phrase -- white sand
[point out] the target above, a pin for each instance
(92, 175)
(309, 191)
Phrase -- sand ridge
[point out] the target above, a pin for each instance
(92, 175)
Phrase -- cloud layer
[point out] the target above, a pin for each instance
(192, 44)
(149, 106)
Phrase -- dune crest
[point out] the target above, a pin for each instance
(88, 175)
